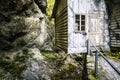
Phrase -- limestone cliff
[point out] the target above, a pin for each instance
(22, 23)
(24, 29)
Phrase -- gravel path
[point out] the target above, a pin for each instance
(109, 71)
(106, 72)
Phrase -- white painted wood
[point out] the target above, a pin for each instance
(90, 8)
(95, 29)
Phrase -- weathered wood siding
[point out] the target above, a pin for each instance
(115, 28)
(61, 28)
(77, 40)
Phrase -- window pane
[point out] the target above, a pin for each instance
(82, 17)
(82, 28)
(77, 23)
(82, 22)
(77, 17)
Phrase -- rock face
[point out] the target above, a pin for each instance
(22, 23)
(31, 64)
(42, 4)
(24, 33)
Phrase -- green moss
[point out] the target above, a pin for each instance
(115, 55)
(1, 75)
(20, 58)
(90, 61)
(68, 72)
(91, 71)
(100, 75)
(15, 67)
(49, 55)
(91, 77)
(69, 67)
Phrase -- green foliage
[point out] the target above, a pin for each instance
(115, 55)
(49, 55)
(91, 77)
(50, 7)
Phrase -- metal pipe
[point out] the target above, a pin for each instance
(88, 46)
(96, 63)
(110, 63)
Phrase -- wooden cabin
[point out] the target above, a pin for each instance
(79, 20)
(114, 24)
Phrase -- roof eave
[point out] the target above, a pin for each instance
(55, 8)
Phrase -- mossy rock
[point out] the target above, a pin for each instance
(50, 55)
(68, 71)
(14, 66)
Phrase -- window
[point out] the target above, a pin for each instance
(79, 22)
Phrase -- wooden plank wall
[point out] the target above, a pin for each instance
(61, 29)
(115, 28)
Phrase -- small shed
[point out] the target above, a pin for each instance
(79, 20)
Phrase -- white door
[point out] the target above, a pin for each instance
(95, 29)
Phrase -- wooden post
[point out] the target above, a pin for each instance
(84, 72)
(96, 63)
(88, 46)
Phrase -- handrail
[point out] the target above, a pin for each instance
(96, 58)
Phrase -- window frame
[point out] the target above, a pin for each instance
(80, 21)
